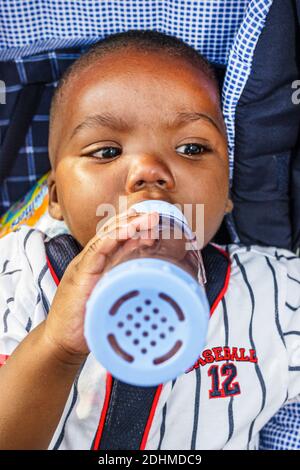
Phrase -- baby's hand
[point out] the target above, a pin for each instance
(65, 322)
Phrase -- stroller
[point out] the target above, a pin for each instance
(254, 48)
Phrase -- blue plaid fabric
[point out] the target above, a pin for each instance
(283, 430)
(239, 65)
(210, 27)
(30, 27)
(32, 161)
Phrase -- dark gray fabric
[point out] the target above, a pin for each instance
(267, 129)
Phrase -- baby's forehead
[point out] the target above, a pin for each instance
(149, 77)
(136, 82)
(155, 64)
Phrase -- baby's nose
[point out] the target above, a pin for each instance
(149, 172)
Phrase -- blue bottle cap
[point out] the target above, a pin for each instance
(166, 209)
(146, 321)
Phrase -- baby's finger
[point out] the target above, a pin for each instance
(93, 257)
(131, 228)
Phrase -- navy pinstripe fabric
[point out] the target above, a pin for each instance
(257, 368)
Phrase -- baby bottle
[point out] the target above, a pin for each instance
(147, 318)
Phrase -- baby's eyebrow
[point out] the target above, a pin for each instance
(186, 117)
(103, 119)
(116, 123)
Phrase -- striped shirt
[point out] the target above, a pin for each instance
(248, 369)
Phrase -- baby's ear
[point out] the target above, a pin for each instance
(54, 206)
(229, 206)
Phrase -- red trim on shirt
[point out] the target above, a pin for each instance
(53, 273)
(225, 286)
(109, 382)
(222, 292)
(151, 416)
(224, 252)
(3, 358)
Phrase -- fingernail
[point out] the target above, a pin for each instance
(154, 214)
(131, 211)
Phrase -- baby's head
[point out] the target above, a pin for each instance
(138, 115)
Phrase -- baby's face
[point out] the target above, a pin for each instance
(143, 126)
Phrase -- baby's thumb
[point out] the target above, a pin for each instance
(93, 259)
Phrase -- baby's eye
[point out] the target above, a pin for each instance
(192, 149)
(106, 153)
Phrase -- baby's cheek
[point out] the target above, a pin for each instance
(214, 211)
(212, 221)
(80, 217)
(211, 198)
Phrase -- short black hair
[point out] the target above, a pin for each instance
(143, 40)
